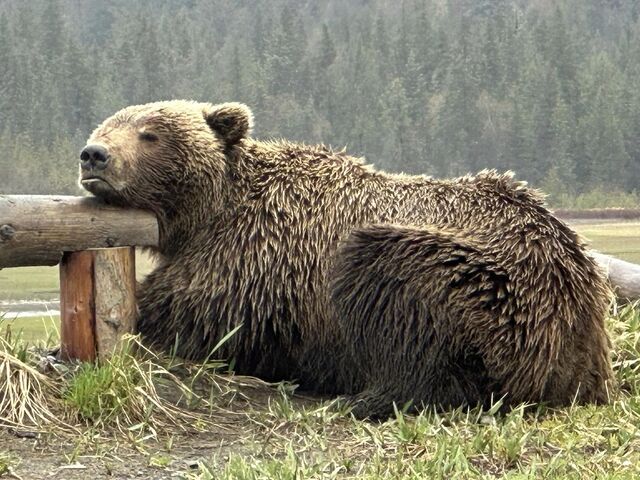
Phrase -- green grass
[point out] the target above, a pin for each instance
(32, 329)
(578, 442)
(6, 462)
(29, 283)
(122, 391)
(119, 392)
(282, 436)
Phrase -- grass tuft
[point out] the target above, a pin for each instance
(28, 398)
(124, 391)
(624, 327)
(8, 464)
(135, 391)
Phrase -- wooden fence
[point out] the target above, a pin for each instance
(94, 245)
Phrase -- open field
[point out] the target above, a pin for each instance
(42, 283)
(29, 283)
(32, 329)
(619, 239)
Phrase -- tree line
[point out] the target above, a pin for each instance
(550, 90)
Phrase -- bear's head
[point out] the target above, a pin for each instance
(155, 155)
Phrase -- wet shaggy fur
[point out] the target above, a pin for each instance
(386, 288)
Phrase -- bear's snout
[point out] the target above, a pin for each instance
(94, 157)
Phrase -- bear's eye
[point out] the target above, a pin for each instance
(148, 136)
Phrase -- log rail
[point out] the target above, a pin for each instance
(36, 230)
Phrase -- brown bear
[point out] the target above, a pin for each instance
(381, 287)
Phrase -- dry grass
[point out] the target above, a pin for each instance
(28, 398)
(135, 390)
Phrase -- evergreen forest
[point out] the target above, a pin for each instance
(547, 88)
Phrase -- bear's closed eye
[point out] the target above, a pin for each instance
(148, 136)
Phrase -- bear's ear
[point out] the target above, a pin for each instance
(230, 121)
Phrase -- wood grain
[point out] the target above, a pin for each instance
(115, 302)
(37, 229)
(77, 327)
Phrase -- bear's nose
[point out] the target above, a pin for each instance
(94, 156)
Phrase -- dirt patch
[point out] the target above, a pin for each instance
(51, 456)
(237, 429)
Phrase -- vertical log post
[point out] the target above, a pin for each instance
(97, 301)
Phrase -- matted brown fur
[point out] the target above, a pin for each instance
(389, 288)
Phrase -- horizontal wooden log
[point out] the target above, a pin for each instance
(37, 229)
(623, 276)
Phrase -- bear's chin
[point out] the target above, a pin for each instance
(101, 189)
